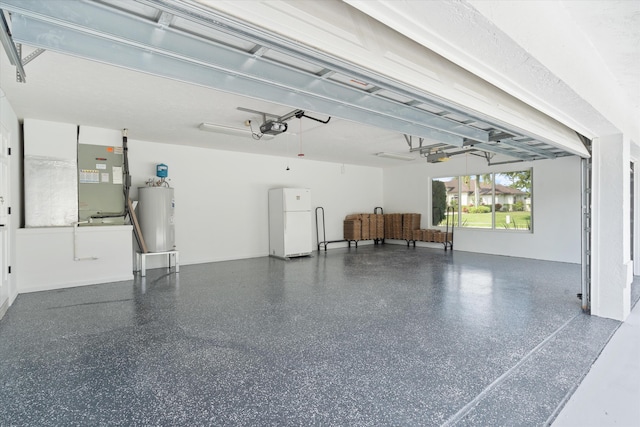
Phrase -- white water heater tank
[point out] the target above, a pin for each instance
(156, 217)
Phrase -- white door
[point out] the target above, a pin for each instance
(4, 217)
(4, 264)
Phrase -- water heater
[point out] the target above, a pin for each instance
(156, 217)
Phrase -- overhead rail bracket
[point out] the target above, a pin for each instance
(10, 47)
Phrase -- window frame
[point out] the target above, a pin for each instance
(494, 226)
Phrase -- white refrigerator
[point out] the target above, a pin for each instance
(290, 228)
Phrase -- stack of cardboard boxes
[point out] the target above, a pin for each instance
(428, 235)
(393, 226)
(364, 227)
(388, 226)
(410, 223)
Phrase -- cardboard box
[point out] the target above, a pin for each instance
(397, 226)
(366, 226)
(373, 226)
(410, 222)
(352, 229)
(379, 226)
(388, 225)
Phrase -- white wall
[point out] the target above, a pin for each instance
(221, 210)
(556, 206)
(221, 206)
(53, 257)
(611, 267)
(50, 257)
(221, 200)
(222, 197)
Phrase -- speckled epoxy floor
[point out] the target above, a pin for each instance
(378, 335)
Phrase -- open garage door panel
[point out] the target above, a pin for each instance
(324, 57)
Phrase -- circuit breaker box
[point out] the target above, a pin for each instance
(101, 197)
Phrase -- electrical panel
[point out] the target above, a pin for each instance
(101, 197)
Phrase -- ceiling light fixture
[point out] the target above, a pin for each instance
(395, 156)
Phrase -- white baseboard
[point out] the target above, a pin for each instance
(53, 286)
(3, 308)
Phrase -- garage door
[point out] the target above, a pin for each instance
(323, 56)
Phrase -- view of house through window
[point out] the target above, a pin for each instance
(492, 201)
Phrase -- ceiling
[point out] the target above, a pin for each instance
(613, 29)
(586, 56)
(66, 88)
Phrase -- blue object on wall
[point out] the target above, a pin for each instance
(162, 170)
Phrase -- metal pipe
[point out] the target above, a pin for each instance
(434, 146)
(300, 114)
(127, 176)
(505, 163)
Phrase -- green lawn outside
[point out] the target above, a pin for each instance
(518, 220)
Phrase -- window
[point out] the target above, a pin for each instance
(477, 193)
(489, 201)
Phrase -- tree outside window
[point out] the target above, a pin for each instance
(438, 201)
(515, 189)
